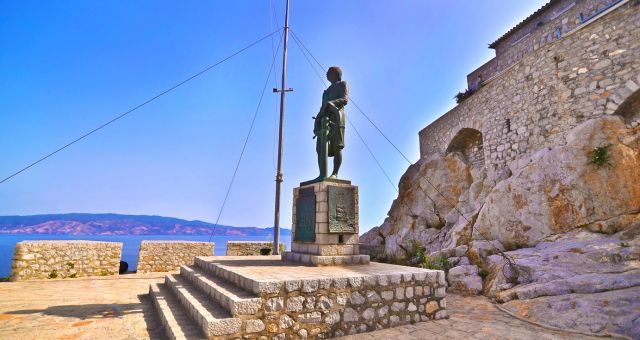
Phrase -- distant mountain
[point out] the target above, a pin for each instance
(115, 224)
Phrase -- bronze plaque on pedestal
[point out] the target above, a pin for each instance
(305, 216)
(342, 210)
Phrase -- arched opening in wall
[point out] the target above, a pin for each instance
(629, 110)
(468, 142)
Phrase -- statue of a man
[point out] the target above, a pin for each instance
(330, 122)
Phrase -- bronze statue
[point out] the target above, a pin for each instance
(330, 122)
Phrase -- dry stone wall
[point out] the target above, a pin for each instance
(64, 259)
(353, 305)
(167, 256)
(248, 248)
(533, 103)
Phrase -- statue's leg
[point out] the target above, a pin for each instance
(337, 161)
(322, 158)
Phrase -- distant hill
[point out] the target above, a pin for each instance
(115, 224)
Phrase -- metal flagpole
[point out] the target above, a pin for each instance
(282, 90)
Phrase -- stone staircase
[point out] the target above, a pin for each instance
(263, 297)
(200, 303)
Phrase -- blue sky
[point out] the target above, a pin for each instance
(67, 67)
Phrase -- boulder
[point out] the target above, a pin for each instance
(611, 311)
(555, 190)
(419, 211)
(464, 280)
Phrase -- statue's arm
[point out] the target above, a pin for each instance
(343, 96)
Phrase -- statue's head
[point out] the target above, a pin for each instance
(334, 74)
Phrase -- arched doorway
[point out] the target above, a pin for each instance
(468, 142)
(629, 110)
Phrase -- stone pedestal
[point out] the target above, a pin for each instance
(325, 224)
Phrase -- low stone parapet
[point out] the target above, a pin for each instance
(249, 248)
(167, 256)
(64, 259)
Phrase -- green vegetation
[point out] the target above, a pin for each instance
(71, 265)
(416, 252)
(462, 96)
(53, 274)
(281, 248)
(74, 275)
(5, 278)
(483, 273)
(600, 156)
(513, 245)
(438, 262)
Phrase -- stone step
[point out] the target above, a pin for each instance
(214, 269)
(176, 323)
(213, 319)
(237, 300)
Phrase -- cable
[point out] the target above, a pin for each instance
(413, 214)
(139, 106)
(354, 103)
(246, 140)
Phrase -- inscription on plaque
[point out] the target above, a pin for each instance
(342, 210)
(306, 215)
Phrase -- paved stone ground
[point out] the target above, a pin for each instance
(470, 318)
(118, 308)
(114, 307)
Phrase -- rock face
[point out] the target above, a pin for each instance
(465, 280)
(555, 190)
(578, 280)
(552, 234)
(419, 211)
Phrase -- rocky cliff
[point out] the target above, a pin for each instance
(555, 236)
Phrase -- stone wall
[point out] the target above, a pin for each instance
(552, 22)
(335, 305)
(532, 104)
(167, 256)
(64, 259)
(249, 248)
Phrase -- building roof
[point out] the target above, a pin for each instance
(523, 22)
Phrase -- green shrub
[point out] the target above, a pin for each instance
(438, 262)
(74, 275)
(415, 254)
(600, 156)
(281, 248)
(53, 274)
(5, 278)
(377, 256)
(462, 96)
(513, 245)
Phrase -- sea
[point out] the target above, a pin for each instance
(130, 244)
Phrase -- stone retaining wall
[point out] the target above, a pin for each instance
(353, 305)
(167, 256)
(64, 259)
(367, 299)
(248, 248)
(534, 102)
